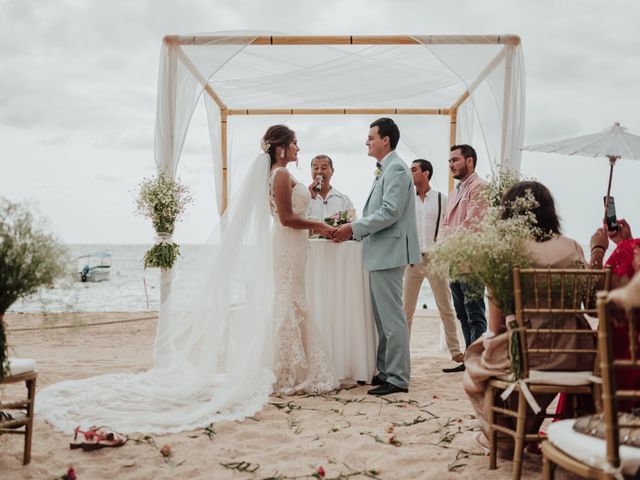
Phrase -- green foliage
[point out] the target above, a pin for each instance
(340, 218)
(30, 258)
(161, 255)
(515, 352)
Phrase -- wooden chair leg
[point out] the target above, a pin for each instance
(493, 434)
(28, 434)
(521, 424)
(547, 468)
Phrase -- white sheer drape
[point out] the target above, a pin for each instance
(424, 75)
(213, 349)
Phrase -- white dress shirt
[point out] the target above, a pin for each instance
(335, 202)
(427, 216)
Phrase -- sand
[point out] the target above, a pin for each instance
(426, 433)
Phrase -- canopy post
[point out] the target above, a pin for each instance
(453, 125)
(224, 150)
(480, 78)
(505, 130)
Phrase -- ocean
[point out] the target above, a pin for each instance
(125, 289)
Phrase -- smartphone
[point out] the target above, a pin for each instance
(610, 215)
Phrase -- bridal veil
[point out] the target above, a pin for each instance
(213, 346)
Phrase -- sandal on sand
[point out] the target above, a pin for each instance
(89, 435)
(103, 437)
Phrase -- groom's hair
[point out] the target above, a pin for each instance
(425, 166)
(387, 128)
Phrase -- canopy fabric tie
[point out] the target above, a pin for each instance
(163, 237)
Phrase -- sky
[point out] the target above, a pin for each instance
(78, 83)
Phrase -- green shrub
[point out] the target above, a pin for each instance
(30, 258)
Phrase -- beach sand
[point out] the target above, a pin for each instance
(426, 433)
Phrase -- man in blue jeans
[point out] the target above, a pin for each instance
(465, 206)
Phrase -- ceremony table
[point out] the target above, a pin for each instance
(340, 306)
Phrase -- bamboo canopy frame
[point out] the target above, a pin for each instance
(505, 54)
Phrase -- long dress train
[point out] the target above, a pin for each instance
(216, 337)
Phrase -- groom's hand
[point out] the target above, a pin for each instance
(344, 232)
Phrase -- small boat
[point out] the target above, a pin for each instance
(94, 267)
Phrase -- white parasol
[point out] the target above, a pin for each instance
(613, 143)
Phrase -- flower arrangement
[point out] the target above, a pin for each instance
(30, 258)
(340, 218)
(163, 201)
(486, 255)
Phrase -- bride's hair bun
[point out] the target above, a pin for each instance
(276, 136)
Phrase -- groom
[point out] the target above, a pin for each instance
(388, 227)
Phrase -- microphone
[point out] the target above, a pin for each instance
(319, 179)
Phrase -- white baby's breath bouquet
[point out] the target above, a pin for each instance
(163, 201)
(499, 183)
(485, 254)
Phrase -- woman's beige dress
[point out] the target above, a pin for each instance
(487, 357)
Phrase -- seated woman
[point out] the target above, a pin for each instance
(488, 356)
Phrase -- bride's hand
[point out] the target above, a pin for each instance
(324, 230)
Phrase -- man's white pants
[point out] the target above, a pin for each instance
(414, 275)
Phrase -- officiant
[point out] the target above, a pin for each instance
(325, 200)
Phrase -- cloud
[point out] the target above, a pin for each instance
(78, 83)
(125, 140)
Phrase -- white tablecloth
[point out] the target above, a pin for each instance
(340, 306)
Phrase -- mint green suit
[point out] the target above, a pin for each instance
(390, 242)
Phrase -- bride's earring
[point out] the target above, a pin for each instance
(282, 154)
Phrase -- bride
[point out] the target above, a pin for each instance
(233, 328)
(300, 363)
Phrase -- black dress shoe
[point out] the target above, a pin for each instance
(387, 388)
(376, 380)
(459, 368)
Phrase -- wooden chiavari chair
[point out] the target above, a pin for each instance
(550, 354)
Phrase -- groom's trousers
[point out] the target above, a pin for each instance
(392, 360)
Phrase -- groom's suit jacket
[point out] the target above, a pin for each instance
(388, 225)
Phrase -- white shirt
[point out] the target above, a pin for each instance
(385, 157)
(335, 202)
(427, 216)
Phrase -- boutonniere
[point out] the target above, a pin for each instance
(377, 172)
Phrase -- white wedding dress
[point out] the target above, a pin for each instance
(300, 363)
(224, 330)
